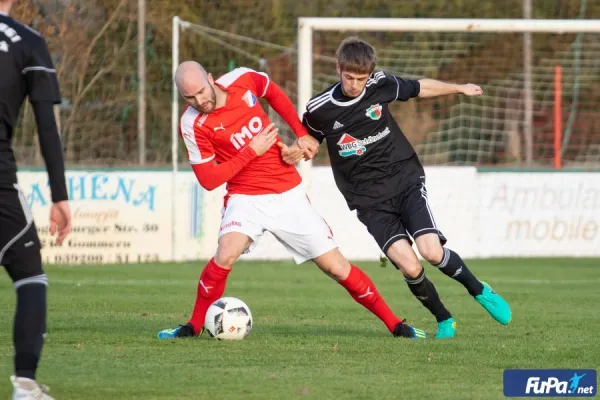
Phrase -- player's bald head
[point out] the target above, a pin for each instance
(189, 72)
(196, 86)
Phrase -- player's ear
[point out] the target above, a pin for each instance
(210, 79)
(338, 69)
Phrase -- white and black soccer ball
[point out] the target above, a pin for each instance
(228, 318)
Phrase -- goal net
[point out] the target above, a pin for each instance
(516, 122)
(524, 67)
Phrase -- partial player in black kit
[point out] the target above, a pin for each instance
(380, 175)
(27, 71)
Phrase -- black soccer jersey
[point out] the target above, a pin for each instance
(367, 148)
(26, 70)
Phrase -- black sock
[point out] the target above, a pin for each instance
(425, 292)
(29, 328)
(454, 267)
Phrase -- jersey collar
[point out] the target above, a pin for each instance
(346, 103)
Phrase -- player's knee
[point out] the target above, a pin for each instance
(403, 257)
(411, 269)
(432, 252)
(334, 264)
(231, 246)
(226, 257)
(339, 271)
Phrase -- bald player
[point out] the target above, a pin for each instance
(229, 139)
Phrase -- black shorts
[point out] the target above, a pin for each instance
(19, 242)
(404, 216)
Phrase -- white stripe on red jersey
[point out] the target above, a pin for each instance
(237, 73)
(196, 155)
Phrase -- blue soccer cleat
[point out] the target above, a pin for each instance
(407, 331)
(179, 332)
(494, 304)
(446, 329)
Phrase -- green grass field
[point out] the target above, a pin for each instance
(310, 340)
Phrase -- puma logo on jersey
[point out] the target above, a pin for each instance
(240, 139)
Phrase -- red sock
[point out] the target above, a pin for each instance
(363, 290)
(210, 289)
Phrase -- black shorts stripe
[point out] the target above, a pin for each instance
(20, 248)
(27, 219)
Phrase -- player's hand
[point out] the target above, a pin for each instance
(470, 90)
(290, 154)
(60, 220)
(309, 145)
(263, 141)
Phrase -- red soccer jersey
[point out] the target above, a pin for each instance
(225, 132)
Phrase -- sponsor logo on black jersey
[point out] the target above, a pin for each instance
(350, 146)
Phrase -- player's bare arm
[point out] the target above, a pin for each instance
(433, 88)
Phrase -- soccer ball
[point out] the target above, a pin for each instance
(228, 319)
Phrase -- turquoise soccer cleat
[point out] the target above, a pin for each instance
(179, 332)
(446, 329)
(494, 304)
